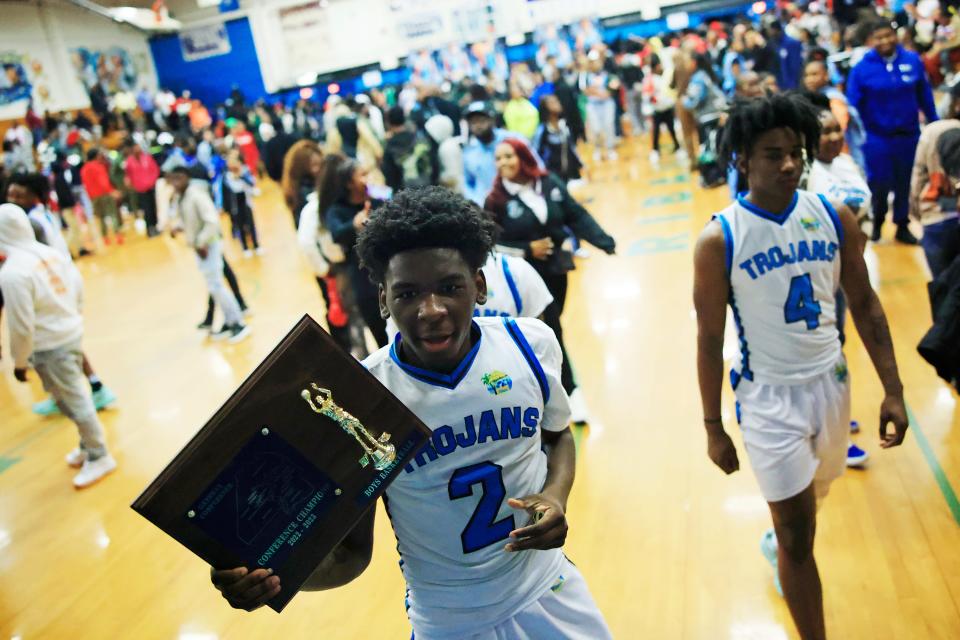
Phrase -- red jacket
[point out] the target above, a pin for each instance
(96, 179)
(142, 172)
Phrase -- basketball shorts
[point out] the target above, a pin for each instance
(796, 434)
(566, 610)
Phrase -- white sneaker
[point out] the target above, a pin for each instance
(93, 470)
(597, 156)
(578, 408)
(258, 251)
(247, 253)
(654, 157)
(238, 332)
(76, 458)
(612, 155)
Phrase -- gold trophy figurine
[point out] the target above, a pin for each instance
(379, 450)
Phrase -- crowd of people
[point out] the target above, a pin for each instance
(868, 131)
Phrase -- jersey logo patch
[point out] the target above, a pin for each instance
(497, 382)
(840, 372)
(810, 224)
(558, 585)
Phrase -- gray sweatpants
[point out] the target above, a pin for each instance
(61, 371)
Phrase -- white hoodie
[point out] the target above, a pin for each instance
(41, 290)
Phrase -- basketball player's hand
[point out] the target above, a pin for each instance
(549, 528)
(721, 450)
(541, 249)
(20, 374)
(893, 410)
(245, 589)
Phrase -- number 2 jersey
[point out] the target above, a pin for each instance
(784, 273)
(449, 506)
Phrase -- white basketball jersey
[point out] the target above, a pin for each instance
(784, 274)
(449, 506)
(514, 290)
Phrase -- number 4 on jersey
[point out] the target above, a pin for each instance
(481, 531)
(800, 304)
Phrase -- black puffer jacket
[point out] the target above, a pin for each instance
(941, 345)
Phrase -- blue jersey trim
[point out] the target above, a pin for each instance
(745, 371)
(517, 300)
(779, 218)
(727, 240)
(833, 216)
(447, 381)
(530, 357)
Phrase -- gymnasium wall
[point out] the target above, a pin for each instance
(273, 45)
(53, 52)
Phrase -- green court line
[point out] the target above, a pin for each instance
(659, 219)
(6, 463)
(945, 487)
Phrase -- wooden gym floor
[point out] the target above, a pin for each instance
(669, 546)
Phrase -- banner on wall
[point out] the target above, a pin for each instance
(25, 79)
(204, 42)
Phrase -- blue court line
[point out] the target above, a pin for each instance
(658, 219)
(658, 244)
(678, 179)
(7, 458)
(673, 198)
(945, 487)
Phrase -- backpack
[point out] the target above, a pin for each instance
(416, 163)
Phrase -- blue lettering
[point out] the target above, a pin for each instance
(776, 257)
(819, 250)
(832, 251)
(427, 449)
(746, 266)
(531, 417)
(444, 441)
(763, 265)
(803, 254)
(469, 438)
(488, 427)
(793, 255)
(510, 423)
(408, 468)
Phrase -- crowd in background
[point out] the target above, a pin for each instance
(509, 136)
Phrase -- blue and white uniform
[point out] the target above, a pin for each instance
(449, 507)
(790, 378)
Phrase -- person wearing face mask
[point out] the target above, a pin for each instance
(889, 88)
(534, 209)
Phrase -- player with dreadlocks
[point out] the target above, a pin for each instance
(479, 514)
(777, 256)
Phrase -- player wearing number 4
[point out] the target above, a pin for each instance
(777, 256)
(480, 512)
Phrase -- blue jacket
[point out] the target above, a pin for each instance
(479, 167)
(889, 96)
(791, 63)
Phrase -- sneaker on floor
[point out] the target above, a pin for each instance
(768, 547)
(221, 334)
(597, 156)
(46, 407)
(93, 470)
(854, 426)
(612, 155)
(578, 408)
(903, 235)
(238, 332)
(76, 458)
(119, 238)
(654, 157)
(103, 397)
(258, 251)
(856, 456)
(582, 252)
(246, 311)
(247, 253)
(205, 326)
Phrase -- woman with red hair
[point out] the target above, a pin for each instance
(535, 213)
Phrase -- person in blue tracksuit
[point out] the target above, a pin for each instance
(790, 51)
(889, 87)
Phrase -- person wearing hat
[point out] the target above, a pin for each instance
(479, 166)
